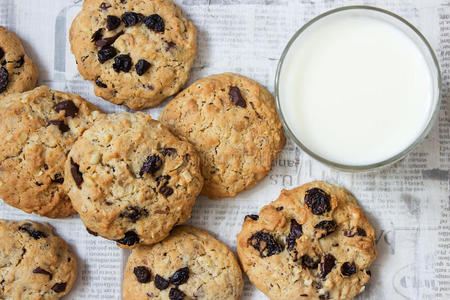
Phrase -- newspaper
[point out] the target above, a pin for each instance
(408, 203)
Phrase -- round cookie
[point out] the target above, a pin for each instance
(38, 129)
(313, 242)
(137, 53)
(232, 122)
(189, 264)
(17, 71)
(131, 180)
(35, 263)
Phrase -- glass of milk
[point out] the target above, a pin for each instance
(358, 88)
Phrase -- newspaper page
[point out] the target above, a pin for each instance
(407, 203)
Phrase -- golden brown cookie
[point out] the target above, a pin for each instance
(131, 180)
(137, 52)
(232, 122)
(35, 264)
(38, 129)
(189, 264)
(313, 242)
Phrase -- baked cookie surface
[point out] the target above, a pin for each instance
(131, 180)
(189, 264)
(136, 53)
(35, 263)
(232, 122)
(18, 73)
(313, 242)
(38, 129)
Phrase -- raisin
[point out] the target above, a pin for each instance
(236, 97)
(351, 233)
(280, 208)
(168, 151)
(318, 201)
(75, 171)
(60, 124)
(253, 217)
(2, 53)
(99, 83)
(161, 283)
(151, 165)
(348, 269)
(180, 276)
(170, 45)
(142, 66)
(326, 296)
(327, 264)
(39, 183)
(176, 294)
(143, 274)
(112, 22)
(105, 6)
(58, 178)
(295, 233)
(166, 191)
(39, 270)
(91, 232)
(154, 22)
(97, 35)
(131, 18)
(20, 62)
(162, 178)
(309, 262)
(133, 213)
(106, 53)
(327, 226)
(3, 79)
(131, 238)
(265, 244)
(122, 63)
(35, 234)
(69, 108)
(59, 287)
(108, 41)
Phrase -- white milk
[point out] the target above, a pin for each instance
(355, 90)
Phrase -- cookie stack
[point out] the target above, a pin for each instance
(133, 179)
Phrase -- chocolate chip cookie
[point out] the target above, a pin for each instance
(232, 122)
(17, 71)
(38, 128)
(131, 180)
(136, 52)
(35, 263)
(189, 264)
(313, 242)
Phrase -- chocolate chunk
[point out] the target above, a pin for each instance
(39, 270)
(351, 233)
(161, 283)
(143, 274)
(91, 232)
(3, 79)
(60, 124)
(69, 107)
(75, 171)
(168, 151)
(133, 213)
(20, 62)
(131, 18)
(2, 53)
(106, 53)
(253, 217)
(180, 276)
(112, 22)
(327, 226)
(295, 233)
(176, 294)
(265, 244)
(130, 239)
(108, 41)
(58, 178)
(122, 63)
(105, 6)
(97, 35)
(165, 191)
(59, 287)
(236, 96)
(318, 201)
(154, 22)
(35, 234)
(151, 165)
(99, 83)
(309, 262)
(327, 264)
(348, 269)
(142, 66)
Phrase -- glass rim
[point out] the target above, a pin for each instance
(386, 162)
